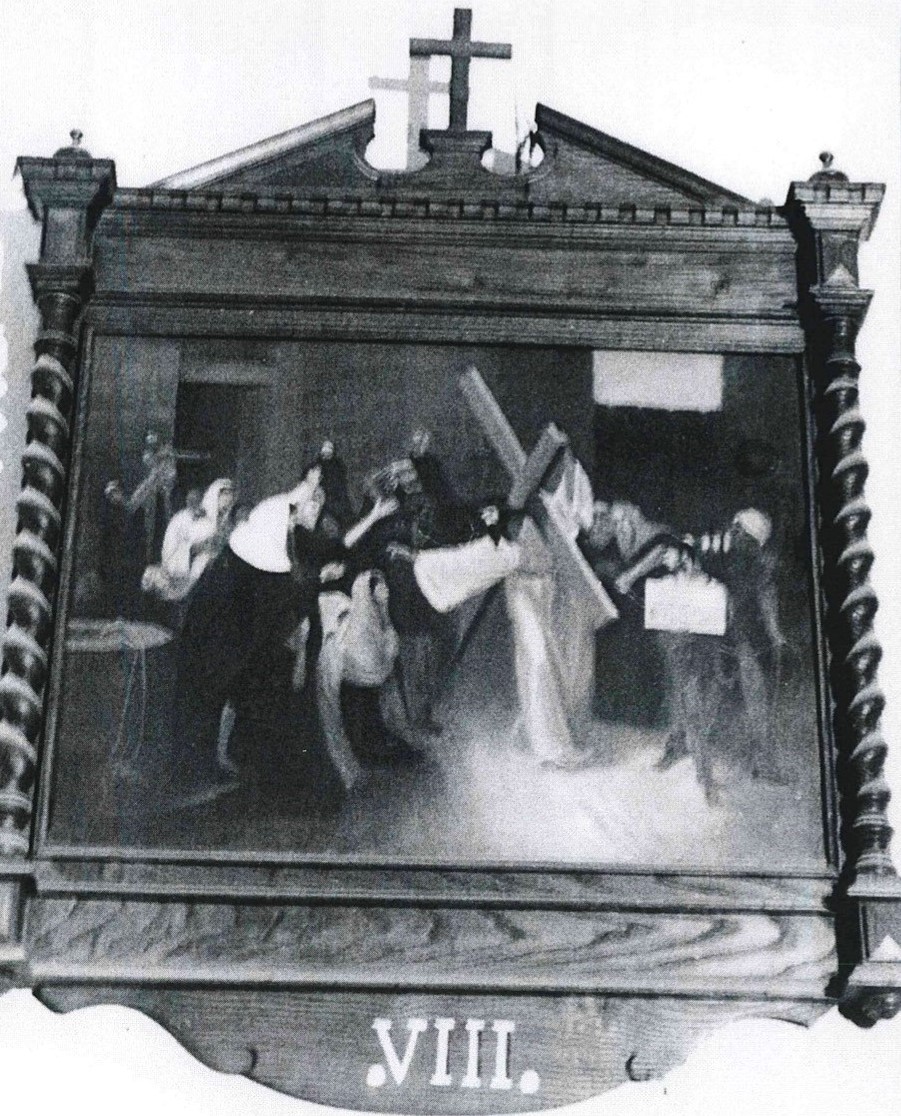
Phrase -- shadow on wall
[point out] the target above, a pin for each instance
(20, 237)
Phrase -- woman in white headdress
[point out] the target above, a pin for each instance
(187, 531)
(194, 536)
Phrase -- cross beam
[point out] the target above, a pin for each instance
(551, 443)
(461, 49)
(527, 472)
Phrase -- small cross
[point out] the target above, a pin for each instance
(461, 49)
(418, 88)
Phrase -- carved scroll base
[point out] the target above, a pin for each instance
(321, 1046)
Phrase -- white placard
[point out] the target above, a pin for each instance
(685, 602)
(659, 381)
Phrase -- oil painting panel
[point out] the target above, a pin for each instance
(440, 604)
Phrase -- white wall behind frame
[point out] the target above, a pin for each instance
(744, 92)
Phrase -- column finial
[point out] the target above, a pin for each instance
(827, 172)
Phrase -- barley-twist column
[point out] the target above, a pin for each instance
(831, 216)
(852, 601)
(67, 193)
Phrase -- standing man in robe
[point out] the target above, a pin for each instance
(743, 559)
(700, 693)
(553, 639)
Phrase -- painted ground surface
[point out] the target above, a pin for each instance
(478, 797)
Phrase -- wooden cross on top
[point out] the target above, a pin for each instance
(461, 49)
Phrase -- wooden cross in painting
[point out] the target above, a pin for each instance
(527, 473)
(418, 88)
(461, 49)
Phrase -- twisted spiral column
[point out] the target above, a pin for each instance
(850, 596)
(60, 292)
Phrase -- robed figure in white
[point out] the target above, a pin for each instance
(553, 639)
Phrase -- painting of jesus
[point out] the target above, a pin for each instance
(518, 625)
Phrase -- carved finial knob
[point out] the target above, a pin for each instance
(828, 173)
(74, 152)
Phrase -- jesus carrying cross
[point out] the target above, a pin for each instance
(553, 599)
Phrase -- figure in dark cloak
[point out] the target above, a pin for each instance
(429, 470)
(427, 516)
(120, 560)
(743, 559)
(429, 640)
(441, 518)
(337, 508)
(260, 594)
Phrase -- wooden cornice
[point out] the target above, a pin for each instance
(332, 204)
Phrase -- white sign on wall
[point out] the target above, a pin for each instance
(661, 381)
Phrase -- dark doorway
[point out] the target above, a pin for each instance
(223, 425)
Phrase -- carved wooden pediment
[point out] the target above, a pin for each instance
(326, 152)
(581, 165)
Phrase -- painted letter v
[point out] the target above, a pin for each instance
(398, 1068)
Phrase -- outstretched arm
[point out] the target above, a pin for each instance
(664, 554)
(380, 510)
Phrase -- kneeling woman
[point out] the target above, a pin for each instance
(233, 649)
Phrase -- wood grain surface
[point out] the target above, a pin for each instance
(209, 879)
(456, 271)
(738, 954)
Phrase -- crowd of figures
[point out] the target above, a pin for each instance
(302, 628)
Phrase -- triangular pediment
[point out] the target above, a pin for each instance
(326, 152)
(581, 165)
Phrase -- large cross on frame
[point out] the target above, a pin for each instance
(527, 473)
(461, 49)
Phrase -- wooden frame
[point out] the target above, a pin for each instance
(177, 932)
